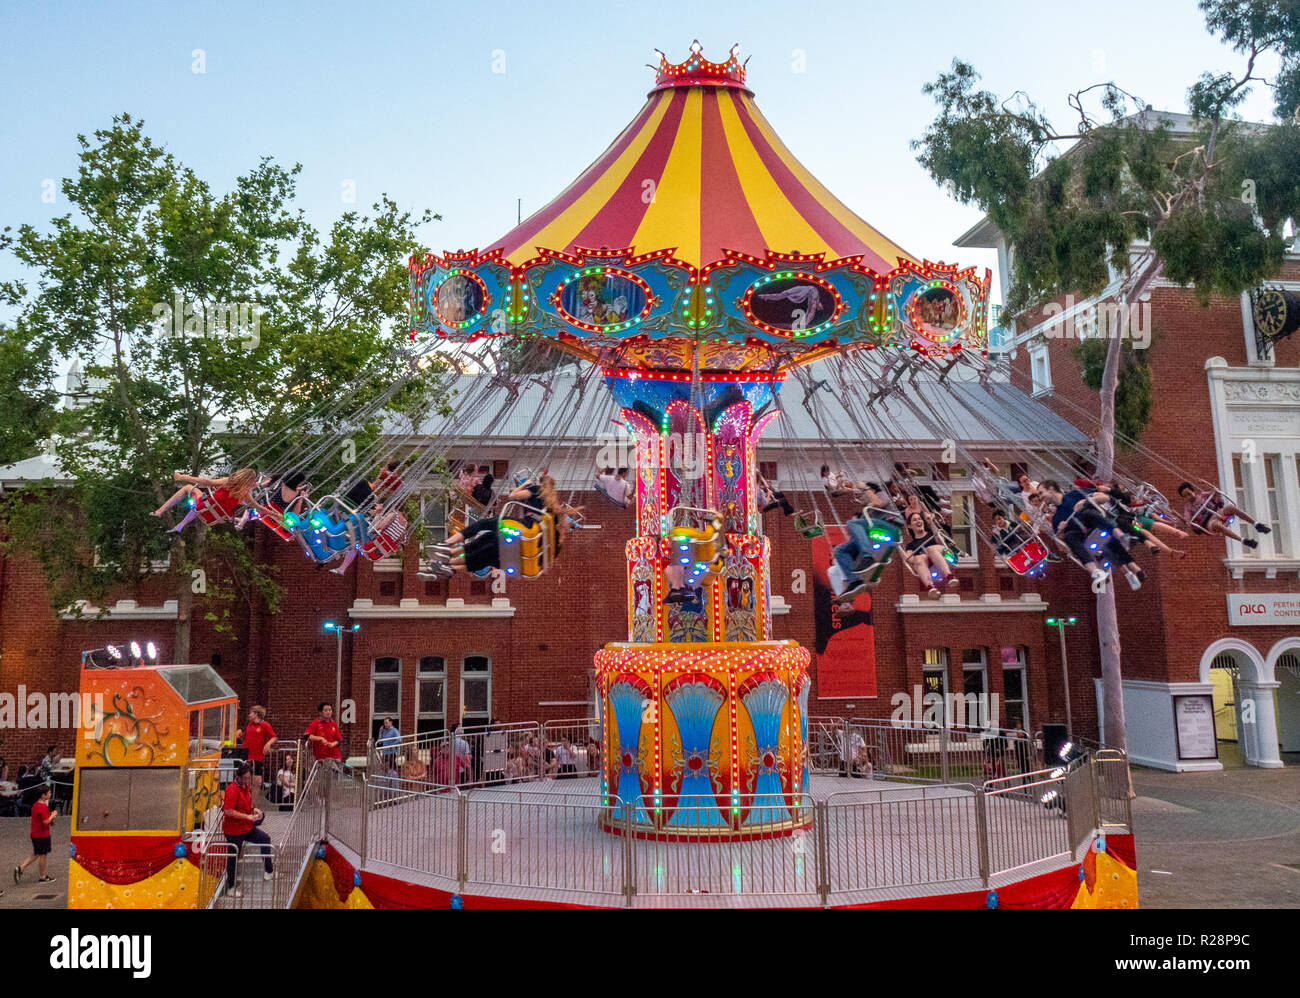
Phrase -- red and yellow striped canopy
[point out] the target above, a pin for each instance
(700, 171)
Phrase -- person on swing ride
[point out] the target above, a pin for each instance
(284, 494)
(927, 494)
(1006, 537)
(1075, 518)
(772, 498)
(1016, 493)
(850, 559)
(1131, 523)
(228, 494)
(467, 478)
(362, 491)
(854, 558)
(837, 483)
(475, 548)
(482, 492)
(615, 486)
(1209, 512)
(924, 548)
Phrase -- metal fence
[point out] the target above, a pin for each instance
(298, 844)
(585, 848)
(1024, 822)
(921, 836)
(1113, 789)
(921, 753)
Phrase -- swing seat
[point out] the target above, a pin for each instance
(699, 544)
(809, 530)
(1096, 539)
(1028, 557)
(207, 509)
(525, 549)
(874, 572)
(271, 518)
(462, 510)
(315, 544)
(387, 542)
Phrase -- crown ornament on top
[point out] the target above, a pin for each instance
(696, 71)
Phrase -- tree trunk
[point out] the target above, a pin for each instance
(187, 560)
(1107, 617)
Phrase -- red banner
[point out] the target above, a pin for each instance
(846, 642)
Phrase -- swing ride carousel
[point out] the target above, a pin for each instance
(698, 263)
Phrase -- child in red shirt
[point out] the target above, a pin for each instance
(42, 817)
(227, 495)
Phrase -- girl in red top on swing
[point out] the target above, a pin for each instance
(227, 495)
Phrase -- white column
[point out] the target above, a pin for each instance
(1264, 731)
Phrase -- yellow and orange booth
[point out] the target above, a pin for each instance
(146, 772)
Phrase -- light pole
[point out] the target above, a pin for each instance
(1061, 623)
(338, 662)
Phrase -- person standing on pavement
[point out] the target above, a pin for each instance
(42, 818)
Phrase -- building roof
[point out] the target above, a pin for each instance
(998, 417)
(33, 469)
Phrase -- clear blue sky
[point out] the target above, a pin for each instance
(402, 98)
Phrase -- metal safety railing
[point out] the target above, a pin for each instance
(289, 858)
(860, 843)
(914, 752)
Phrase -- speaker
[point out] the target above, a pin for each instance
(1054, 736)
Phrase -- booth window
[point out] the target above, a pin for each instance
(128, 799)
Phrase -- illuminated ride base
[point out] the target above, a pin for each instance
(702, 714)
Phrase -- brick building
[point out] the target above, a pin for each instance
(1225, 622)
(434, 653)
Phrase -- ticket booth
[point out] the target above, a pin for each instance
(147, 762)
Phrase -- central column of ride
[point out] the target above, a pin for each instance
(703, 713)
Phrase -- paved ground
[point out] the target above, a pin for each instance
(16, 846)
(1222, 840)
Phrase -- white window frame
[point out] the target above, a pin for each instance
(476, 676)
(1038, 352)
(982, 667)
(1022, 667)
(970, 509)
(384, 677)
(422, 676)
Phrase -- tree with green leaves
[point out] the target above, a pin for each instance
(207, 326)
(1123, 197)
